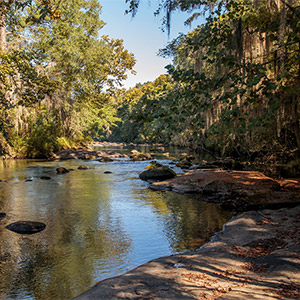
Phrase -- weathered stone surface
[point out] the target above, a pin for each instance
(26, 227)
(62, 170)
(158, 173)
(239, 190)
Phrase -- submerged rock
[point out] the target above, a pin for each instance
(62, 170)
(26, 227)
(158, 173)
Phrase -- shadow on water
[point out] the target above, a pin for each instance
(97, 226)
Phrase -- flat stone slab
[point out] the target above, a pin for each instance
(237, 189)
(26, 227)
(255, 257)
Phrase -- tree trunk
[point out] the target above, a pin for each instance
(295, 122)
(2, 31)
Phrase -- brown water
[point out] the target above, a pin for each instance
(97, 226)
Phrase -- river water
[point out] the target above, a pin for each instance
(97, 225)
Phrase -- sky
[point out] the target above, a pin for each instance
(142, 36)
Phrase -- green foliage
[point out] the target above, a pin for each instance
(41, 138)
(235, 79)
(62, 75)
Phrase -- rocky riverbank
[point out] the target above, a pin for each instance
(256, 256)
(237, 190)
(85, 154)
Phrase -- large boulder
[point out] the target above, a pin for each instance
(157, 174)
(26, 227)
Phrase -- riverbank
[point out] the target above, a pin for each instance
(256, 256)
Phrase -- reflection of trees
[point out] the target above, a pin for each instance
(189, 222)
(81, 238)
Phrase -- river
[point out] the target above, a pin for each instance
(97, 225)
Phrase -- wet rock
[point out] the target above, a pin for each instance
(26, 227)
(141, 157)
(28, 180)
(107, 172)
(105, 159)
(184, 164)
(2, 215)
(88, 156)
(158, 173)
(82, 167)
(138, 156)
(62, 170)
(45, 177)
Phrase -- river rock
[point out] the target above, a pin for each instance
(184, 164)
(141, 157)
(105, 159)
(62, 170)
(26, 227)
(158, 173)
(82, 167)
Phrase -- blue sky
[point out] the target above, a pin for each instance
(142, 36)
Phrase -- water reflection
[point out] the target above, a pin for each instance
(98, 225)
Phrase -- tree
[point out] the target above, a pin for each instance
(20, 80)
(237, 75)
(85, 67)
